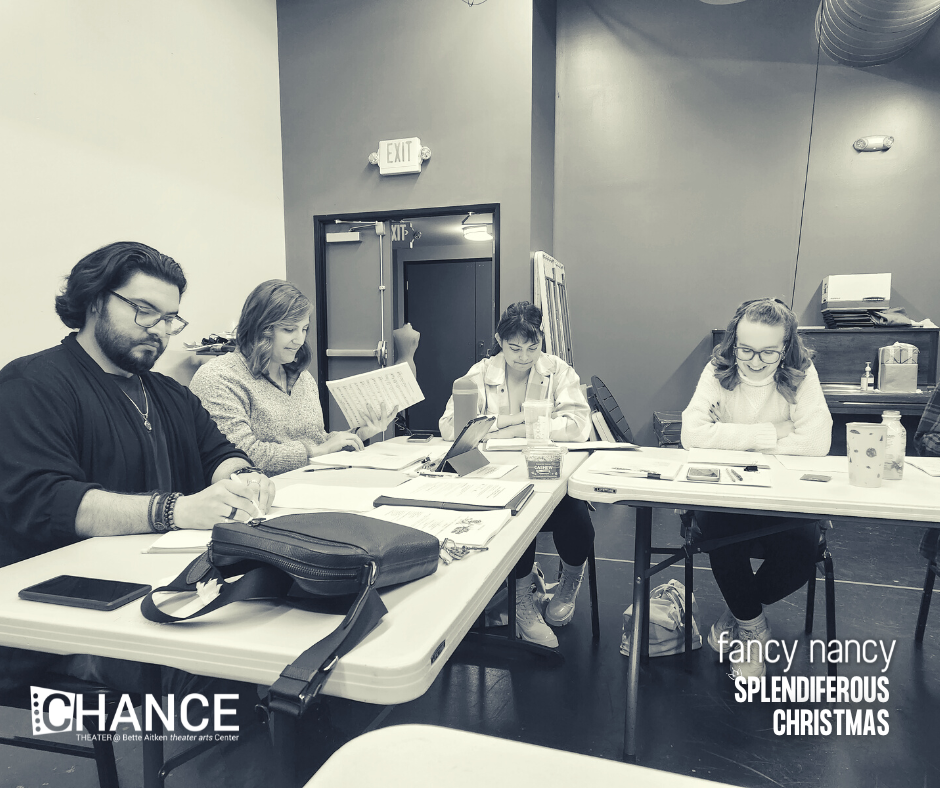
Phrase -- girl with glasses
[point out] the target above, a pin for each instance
(759, 392)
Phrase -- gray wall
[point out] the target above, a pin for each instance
(682, 132)
(460, 78)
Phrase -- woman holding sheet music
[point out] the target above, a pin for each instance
(760, 392)
(262, 397)
(516, 371)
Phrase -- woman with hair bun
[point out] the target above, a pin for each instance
(759, 392)
(516, 371)
(262, 397)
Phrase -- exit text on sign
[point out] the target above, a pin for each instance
(400, 156)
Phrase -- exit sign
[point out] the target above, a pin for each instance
(397, 157)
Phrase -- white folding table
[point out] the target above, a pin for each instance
(914, 500)
(254, 641)
(425, 756)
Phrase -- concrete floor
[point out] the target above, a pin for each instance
(689, 722)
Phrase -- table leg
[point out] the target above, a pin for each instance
(925, 603)
(152, 748)
(644, 528)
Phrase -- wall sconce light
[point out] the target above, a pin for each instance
(876, 142)
(477, 227)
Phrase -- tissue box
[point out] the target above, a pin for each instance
(856, 291)
(897, 368)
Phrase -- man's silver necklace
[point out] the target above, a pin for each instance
(145, 413)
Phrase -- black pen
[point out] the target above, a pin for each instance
(328, 468)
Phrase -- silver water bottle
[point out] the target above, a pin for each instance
(465, 403)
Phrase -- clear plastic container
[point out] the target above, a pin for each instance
(895, 444)
(544, 462)
(538, 420)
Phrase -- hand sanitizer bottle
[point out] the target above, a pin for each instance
(867, 380)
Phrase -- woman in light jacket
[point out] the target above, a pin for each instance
(517, 371)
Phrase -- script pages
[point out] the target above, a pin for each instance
(389, 388)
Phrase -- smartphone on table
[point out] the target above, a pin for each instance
(91, 592)
(700, 474)
(420, 437)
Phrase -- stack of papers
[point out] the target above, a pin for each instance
(518, 444)
(636, 465)
(461, 494)
(380, 456)
(336, 499)
(724, 457)
(474, 529)
(181, 542)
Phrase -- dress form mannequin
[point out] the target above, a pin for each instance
(406, 343)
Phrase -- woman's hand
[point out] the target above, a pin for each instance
(714, 412)
(503, 422)
(376, 421)
(336, 443)
(512, 431)
(783, 428)
(225, 500)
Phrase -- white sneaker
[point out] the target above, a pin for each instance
(529, 622)
(725, 623)
(759, 630)
(560, 609)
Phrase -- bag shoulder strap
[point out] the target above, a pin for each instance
(263, 581)
(301, 681)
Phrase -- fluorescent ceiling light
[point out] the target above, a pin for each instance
(477, 232)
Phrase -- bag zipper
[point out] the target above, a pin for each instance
(269, 529)
(292, 567)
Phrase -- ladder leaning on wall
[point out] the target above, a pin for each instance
(551, 296)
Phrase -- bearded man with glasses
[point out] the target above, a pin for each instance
(95, 444)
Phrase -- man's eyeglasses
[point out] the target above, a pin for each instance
(767, 356)
(145, 317)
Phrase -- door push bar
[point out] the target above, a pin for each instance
(380, 353)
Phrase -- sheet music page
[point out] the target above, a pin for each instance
(470, 528)
(389, 387)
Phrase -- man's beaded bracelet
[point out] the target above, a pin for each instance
(169, 510)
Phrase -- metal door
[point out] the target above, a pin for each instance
(451, 304)
(356, 280)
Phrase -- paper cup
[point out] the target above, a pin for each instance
(866, 449)
(538, 420)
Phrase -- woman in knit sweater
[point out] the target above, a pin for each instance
(262, 397)
(760, 392)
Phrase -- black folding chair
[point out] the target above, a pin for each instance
(694, 542)
(101, 751)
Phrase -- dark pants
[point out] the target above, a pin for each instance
(789, 559)
(572, 531)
